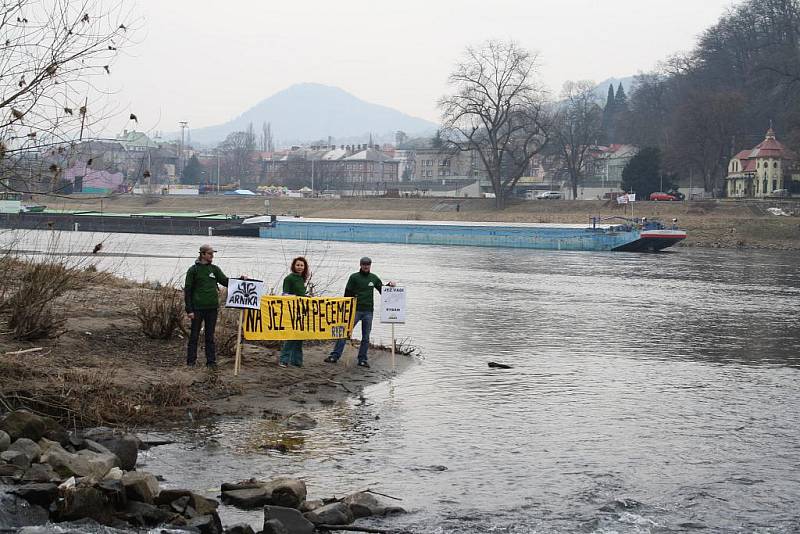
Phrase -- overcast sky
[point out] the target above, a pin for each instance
(206, 62)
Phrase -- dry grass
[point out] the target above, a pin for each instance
(92, 395)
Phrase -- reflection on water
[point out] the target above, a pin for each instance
(649, 392)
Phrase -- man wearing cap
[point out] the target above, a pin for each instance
(202, 303)
(360, 285)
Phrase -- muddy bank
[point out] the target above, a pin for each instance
(712, 223)
(99, 368)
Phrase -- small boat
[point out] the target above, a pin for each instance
(630, 235)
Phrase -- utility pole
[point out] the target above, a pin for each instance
(181, 163)
(218, 171)
(312, 177)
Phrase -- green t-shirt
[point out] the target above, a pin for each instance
(360, 285)
(200, 287)
(294, 284)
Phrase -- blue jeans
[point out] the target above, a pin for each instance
(366, 327)
(292, 352)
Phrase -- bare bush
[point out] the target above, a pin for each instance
(32, 311)
(160, 311)
(227, 331)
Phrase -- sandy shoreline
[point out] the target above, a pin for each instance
(104, 371)
(710, 223)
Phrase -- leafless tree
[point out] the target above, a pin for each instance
(577, 125)
(53, 52)
(237, 154)
(497, 110)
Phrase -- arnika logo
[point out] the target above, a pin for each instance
(245, 295)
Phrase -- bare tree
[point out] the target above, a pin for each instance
(52, 53)
(237, 152)
(496, 110)
(577, 126)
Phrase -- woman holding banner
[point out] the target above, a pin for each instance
(294, 284)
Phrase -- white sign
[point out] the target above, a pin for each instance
(244, 293)
(393, 305)
(624, 199)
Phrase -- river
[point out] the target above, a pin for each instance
(649, 392)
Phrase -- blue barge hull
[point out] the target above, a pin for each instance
(506, 235)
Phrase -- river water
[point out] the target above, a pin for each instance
(649, 392)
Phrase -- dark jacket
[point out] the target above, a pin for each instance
(360, 285)
(294, 284)
(200, 287)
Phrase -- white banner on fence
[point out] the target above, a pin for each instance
(393, 305)
(244, 293)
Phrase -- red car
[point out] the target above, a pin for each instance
(662, 196)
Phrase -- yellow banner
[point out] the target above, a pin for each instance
(289, 317)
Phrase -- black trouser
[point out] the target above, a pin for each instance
(209, 317)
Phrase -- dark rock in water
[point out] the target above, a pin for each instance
(145, 515)
(499, 365)
(301, 421)
(247, 498)
(394, 510)
(247, 484)
(16, 512)
(200, 504)
(40, 493)
(22, 424)
(310, 506)
(73, 527)
(28, 447)
(125, 446)
(115, 492)
(83, 463)
(364, 504)
(273, 526)
(206, 524)
(5, 440)
(240, 528)
(85, 501)
(140, 486)
(337, 513)
(292, 519)
(41, 473)
(288, 492)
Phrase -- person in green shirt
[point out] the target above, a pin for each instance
(361, 286)
(202, 303)
(294, 284)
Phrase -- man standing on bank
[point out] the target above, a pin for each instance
(202, 303)
(360, 285)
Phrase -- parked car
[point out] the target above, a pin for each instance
(549, 195)
(662, 196)
(780, 193)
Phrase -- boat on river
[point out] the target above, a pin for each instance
(621, 234)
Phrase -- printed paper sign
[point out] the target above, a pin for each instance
(289, 317)
(393, 305)
(244, 293)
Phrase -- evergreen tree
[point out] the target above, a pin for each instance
(642, 174)
(608, 117)
(620, 100)
(192, 172)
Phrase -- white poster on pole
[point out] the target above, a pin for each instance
(393, 305)
(244, 293)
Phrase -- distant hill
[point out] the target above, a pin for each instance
(309, 112)
(601, 90)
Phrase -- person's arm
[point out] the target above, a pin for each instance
(287, 286)
(348, 290)
(378, 284)
(221, 278)
(188, 287)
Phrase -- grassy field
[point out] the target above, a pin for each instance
(711, 223)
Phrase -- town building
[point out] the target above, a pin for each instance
(769, 169)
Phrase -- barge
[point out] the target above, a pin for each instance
(630, 235)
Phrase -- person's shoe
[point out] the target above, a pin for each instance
(281, 364)
(211, 366)
(296, 364)
(363, 363)
(330, 359)
(190, 364)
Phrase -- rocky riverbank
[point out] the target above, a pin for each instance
(83, 479)
(722, 223)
